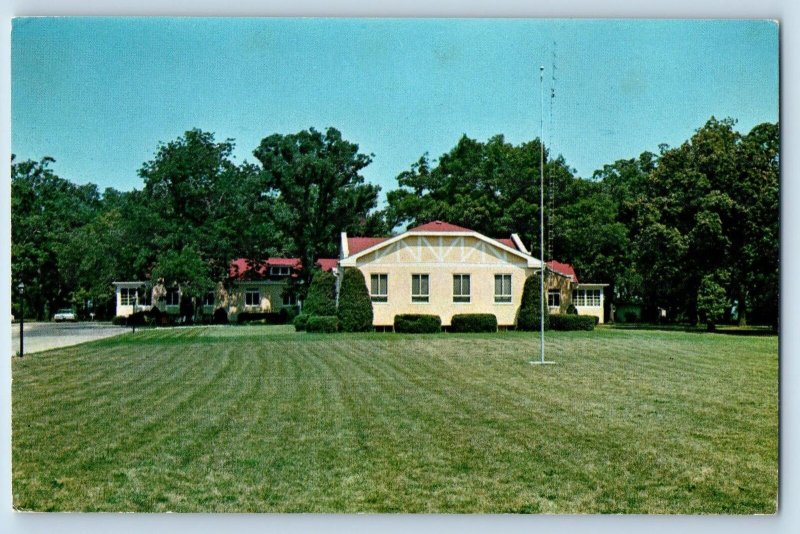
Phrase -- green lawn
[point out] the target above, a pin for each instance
(263, 419)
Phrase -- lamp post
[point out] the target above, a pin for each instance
(21, 287)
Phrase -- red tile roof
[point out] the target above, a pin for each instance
(243, 268)
(439, 226)
(507, 242)
(357, 244)
(327, 264)
(563, 268)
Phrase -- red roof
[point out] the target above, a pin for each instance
(357, 244)
(244, 268)
(327, 264)
(563, 268)
(439, 226)
(507, 242)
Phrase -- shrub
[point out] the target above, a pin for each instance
(220, 316)
(573, 322)
(410, 323)
(530, 308)
(279, 317)
(300, 322)
(322, 323)
(119, 320)
(321, 298)
(631, 317)
(355, 307)
(137, 319)
(473, 322)
(572, 310)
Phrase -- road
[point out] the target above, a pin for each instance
(46, 336)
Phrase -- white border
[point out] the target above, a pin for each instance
(787, 520)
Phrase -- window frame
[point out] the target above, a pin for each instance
(461, 298)
(280, 270)
(288, 300)
(205, 302)
(380, 297)
(554, 293)
(248, 291)
(503, 297)
(173, 291)
(127, 296)
(420, 297)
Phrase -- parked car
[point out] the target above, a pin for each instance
(65, 315)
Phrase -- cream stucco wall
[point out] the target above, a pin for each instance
(271, 293)
(440, 257)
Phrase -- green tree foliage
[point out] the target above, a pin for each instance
(711, 300)
(321, 298)
(316, 181)
(355, 307)
(45, 211)
(196, 196)
(711, 207)
(529, 313)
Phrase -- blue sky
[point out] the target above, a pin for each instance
(99, 94)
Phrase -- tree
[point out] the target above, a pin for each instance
(321, 298)
(319, 191)
(45, 211)
(186, 270)
(355, 306)
(530, 309)
(711, 300)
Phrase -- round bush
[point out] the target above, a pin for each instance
(300, 322)
(413, 323)
(473, 322)
(220, 316)
(321, 298)
(327, 324)
(355, 306)
(573, 322)
(530, 308)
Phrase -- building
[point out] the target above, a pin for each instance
(254, 287)
(443, 269)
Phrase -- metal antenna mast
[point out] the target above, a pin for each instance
(541, 217)
(551, 181)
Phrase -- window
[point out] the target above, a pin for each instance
(252, 296)
(379, 287)
(145, 296)
(586, 297)
(127, 296)
(208, 298)
(420, 288)
(554, 298)
(502, 288)
(280, 271)
(460, 288)
(173, 296)
(289, 299)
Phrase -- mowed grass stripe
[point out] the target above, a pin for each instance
(625, 422)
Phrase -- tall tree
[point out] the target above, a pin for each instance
(319, 191)
(45, 210)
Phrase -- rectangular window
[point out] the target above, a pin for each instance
(420, 288)
(127, 296)
(502, 288)
(280, 271)
(252, 296)
(586, 297)
(145, 296)
(173, 296)
(289, 299)
(554, 298)
(208, 298)
(379, 287)
(461, 288)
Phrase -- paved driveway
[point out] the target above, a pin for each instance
(46, 336)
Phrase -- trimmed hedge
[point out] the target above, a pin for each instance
(220, 316)
(119, 320)
(321, 298)
(573, 322)
(355, 306)
(300, 322)
(323, 323)
(279, 317)
(473, 322)
(530, 308)
(415, 323)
